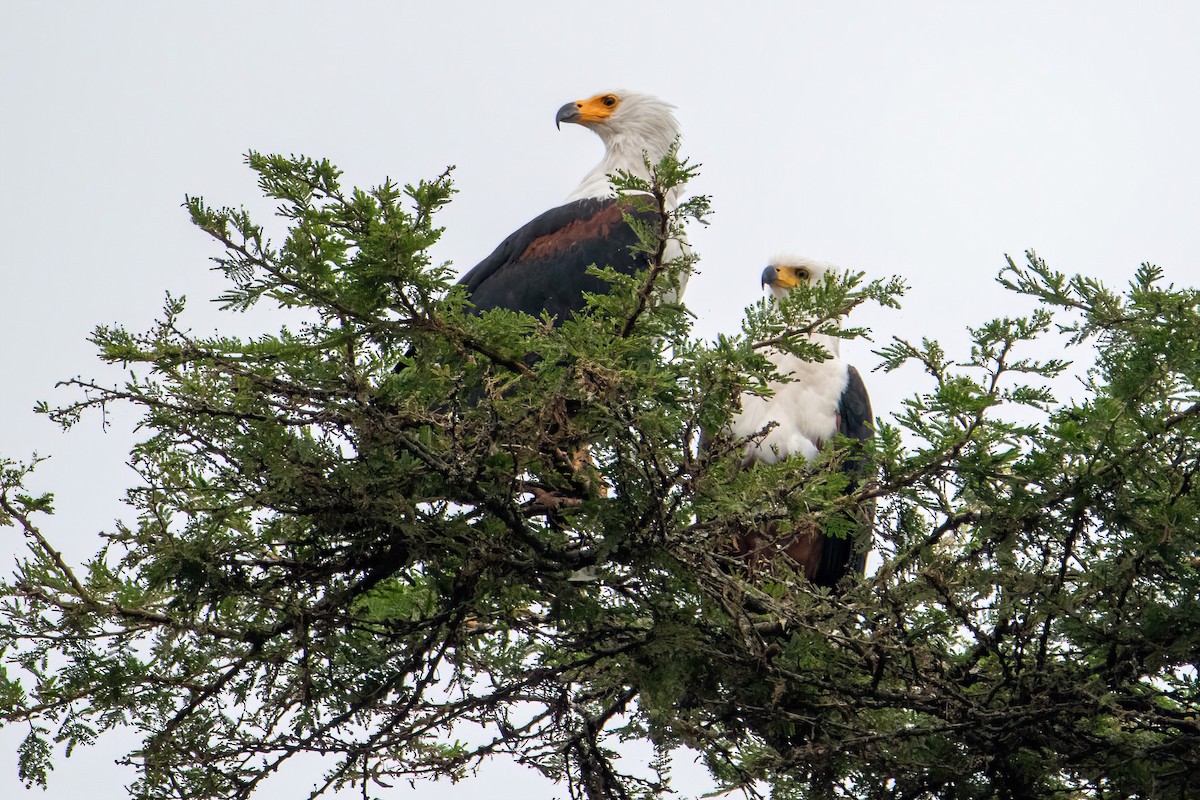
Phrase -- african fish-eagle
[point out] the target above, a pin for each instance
(542, 266)
(821, 400)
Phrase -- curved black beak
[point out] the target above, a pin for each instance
(769, 276)
(568, 113)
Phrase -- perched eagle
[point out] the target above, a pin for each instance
(822, 399)
(542, 266)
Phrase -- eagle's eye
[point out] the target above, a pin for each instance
(802, 274)
(609, 101)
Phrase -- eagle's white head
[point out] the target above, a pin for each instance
(633, 126)
(785, 272)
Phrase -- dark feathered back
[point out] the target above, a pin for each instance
(543, 265)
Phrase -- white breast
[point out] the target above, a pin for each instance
(676, 249)
(804, 409)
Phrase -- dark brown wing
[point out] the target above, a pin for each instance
(841, 555)
(543, 265)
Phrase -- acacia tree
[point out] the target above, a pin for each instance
(371, 537)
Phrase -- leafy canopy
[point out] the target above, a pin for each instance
(373, 536)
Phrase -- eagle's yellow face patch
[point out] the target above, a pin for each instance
(598, 108)
(786, 277)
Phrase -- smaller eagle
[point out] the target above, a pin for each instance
(821, 400)
(542, 266)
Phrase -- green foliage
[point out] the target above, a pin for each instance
(372, 535)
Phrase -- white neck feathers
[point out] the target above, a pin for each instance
(642, 129)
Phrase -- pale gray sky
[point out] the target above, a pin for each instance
(920, 139)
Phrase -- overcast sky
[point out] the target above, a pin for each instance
(920, 139)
